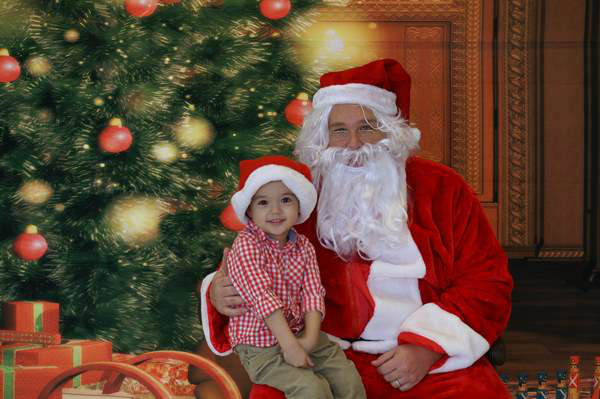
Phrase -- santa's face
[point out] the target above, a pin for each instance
(351, 126)
(274, 209)
(362, 198)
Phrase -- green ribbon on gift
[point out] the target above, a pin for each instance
(8, 379)
(9, 355)
(38, 320)
(76, 362)
(38, 313)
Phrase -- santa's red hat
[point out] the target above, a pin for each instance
(382, 85)
(255, 173)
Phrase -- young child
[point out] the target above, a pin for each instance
(275, 271)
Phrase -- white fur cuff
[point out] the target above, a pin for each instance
(204, 312)
(462, 344)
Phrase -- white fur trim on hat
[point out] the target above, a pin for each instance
(357, 93)
(302, 188)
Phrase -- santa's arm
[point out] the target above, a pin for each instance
(473, 310)
(214, 324)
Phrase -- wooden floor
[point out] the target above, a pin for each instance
(555, 315)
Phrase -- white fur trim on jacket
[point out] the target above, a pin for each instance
(462, 344)
(357, 93)
(302, 188)
(204, 312)
(395, 292)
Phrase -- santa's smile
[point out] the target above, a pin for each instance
(276, 221)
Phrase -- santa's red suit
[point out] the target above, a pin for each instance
(449, 291)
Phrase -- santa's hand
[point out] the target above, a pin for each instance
(374, 347)
(341, 342)
(223, 295)
(406, 365)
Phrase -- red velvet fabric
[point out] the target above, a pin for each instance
(476, 382)
(467, 275)
(467, 270)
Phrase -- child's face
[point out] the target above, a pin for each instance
(274, 209)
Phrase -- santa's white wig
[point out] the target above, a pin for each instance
(361, 209)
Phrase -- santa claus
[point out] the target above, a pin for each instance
(417, 286)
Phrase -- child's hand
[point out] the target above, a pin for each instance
(296, 356)
(307, 343)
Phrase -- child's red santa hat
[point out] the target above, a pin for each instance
(255, 173)
(382, 85)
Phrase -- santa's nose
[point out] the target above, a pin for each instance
(354, 142)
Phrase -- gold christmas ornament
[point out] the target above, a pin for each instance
(136, 220)
(59, 207)
(165, 152)
(71, 35)
(194, 133)
(35, 191)
(38, 66)
(98, 102)
(45, 115)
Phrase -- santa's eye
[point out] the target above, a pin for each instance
(261, 202)
(286, 200)
(340, 130)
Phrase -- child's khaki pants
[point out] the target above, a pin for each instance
(333, 376)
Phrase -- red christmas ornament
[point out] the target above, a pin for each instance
(9, 67)
(297, 109)
(275, 9)
(30, 245)
(141, 8)
(229, 219)
(115, 137)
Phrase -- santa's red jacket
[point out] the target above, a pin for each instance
(462, 298)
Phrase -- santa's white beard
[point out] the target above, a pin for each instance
(362, 208)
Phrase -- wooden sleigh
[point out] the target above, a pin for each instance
(116, 372)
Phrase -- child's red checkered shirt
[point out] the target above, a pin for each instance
(269, 277)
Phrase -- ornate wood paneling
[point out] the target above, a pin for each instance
(515, 127)
(429, 88)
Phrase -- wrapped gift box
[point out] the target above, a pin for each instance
(172, 373)
(29, 316)
(8, 353)
(26, 382)
(70, 354)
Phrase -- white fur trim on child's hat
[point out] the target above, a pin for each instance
(357, 93)
(302, 188)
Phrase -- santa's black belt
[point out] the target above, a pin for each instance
(351, 340)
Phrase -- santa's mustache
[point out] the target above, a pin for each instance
(352, 157)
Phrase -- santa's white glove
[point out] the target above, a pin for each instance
(341, 342)
(374, 347)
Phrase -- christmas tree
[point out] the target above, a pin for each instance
(122, 124)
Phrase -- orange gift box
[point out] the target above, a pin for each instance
(8, 353)
(70, 354)
(172, 373)
(26, 382)
(30, 316)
